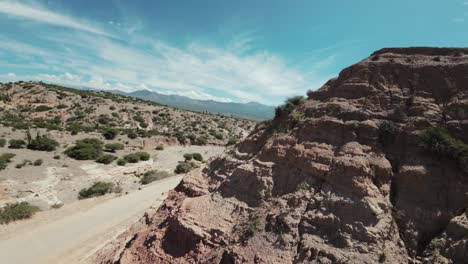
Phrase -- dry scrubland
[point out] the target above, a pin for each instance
(56, 143)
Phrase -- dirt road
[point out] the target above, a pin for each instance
(74, 232)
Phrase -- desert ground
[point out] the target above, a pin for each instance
(73, 232)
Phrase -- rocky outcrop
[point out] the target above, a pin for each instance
(324, 182)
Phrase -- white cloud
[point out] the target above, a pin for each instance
(42, 15)
(11, 75)
(458, 20)
(196, 95)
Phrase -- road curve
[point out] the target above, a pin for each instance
(74, 237)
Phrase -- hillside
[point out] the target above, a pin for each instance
(38, 105)
(249, 110)
(371, 168)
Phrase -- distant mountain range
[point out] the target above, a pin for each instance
(251, 110)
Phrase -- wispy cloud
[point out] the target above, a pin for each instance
(238, 70)
(39, 14)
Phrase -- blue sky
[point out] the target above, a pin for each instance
(240, 51)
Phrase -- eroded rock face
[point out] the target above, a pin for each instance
(324, 188)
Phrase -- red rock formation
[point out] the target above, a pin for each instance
(316, 185)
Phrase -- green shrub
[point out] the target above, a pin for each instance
(57, 157)
(159, 147)
(154, 175)
(5, 159)
(113, 147)
(61, 106)
(97, 189)
(38, 162)
(121, 162)
(183, 167)
(22, 164)
(2, 142)
(43, 108)
(440, 143)
(232, 141)
(132, 135)
(110, 133)
(17, 211)
(132, 158)
(201, 141)
(43, 143)
(197, 156)
(86, 149)
(188, 156)
(219, 136)
(143, 155)
(288, 105)
(387, 133)
(16, 143)
(106, 159)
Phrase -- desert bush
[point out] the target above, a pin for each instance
(110, 133)
(183, 167)
(188, 156)
(201, 141)
(57, 157)
(288, 105)
(387, 133)
(5, 159)
(38, 162)
(43, 108)
(113, 147)
(232, 141)
(43, 143)
(97, 189)
(132, 135)
(86, 149)
(106, 159)
(16, 144)
(2, 142)
(17, 211)
(132, 158)
(154, 175)
(159, 147)
(22, 164)
(61, 106)
(121, 162)
(143, 155)
(219, 136)
(197, 156)
(440, 143)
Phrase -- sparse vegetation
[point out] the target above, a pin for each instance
(2, 142)
(38, 162)
(121, 162)
(86, 149)
(16, 144)
(188, 156)
(106, 159)
(5, 159)
(110, 133)
(154, 175)
(17, 211)
(160, 147)
(197, 156)
(439, 142)
(185, 167)
(43, 108)
(232, 141)
(113, 147)
(137, 156)
(43, 143)
(288, 105)
(387, 133)
(97, 189)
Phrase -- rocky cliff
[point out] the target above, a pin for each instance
(352, 174)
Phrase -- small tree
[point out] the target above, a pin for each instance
(16, 144)
(43, 143)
